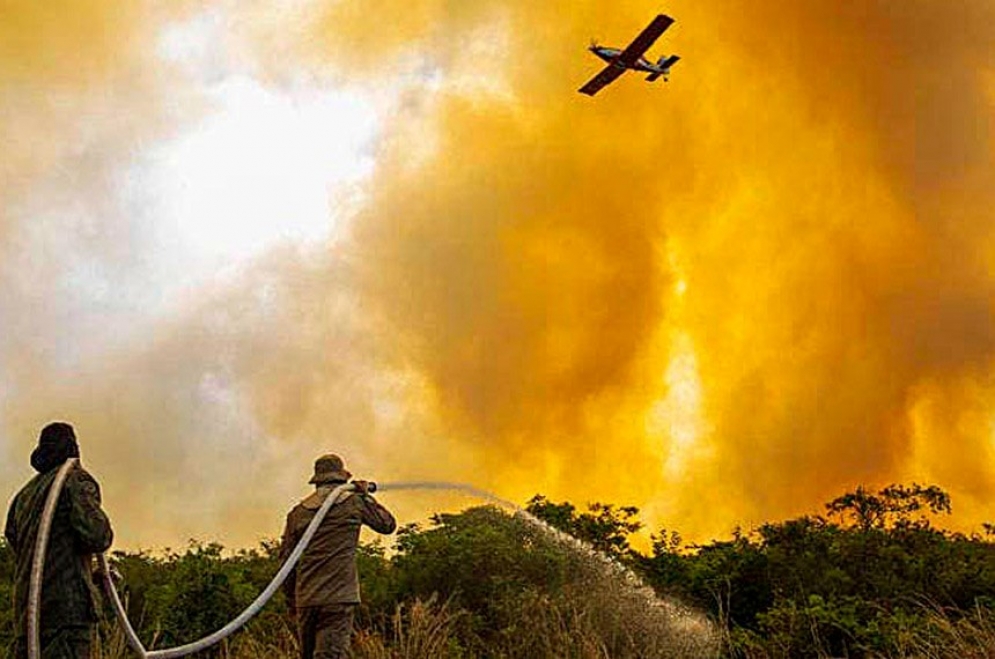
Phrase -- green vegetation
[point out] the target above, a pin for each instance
(873, 577)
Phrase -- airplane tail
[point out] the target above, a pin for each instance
(663, 65)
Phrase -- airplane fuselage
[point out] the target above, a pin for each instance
(610, 55)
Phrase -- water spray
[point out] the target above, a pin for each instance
(619, 569)
(335, 496)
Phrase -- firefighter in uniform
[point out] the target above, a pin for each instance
(323, 589)
(80, 529)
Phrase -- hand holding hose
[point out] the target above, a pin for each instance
(364, 487)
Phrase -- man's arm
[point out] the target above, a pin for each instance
(374, 515)
(93, 528)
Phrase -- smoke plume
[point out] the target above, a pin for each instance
(724, 299)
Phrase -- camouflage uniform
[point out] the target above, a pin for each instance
(324, 587)
(68, 596)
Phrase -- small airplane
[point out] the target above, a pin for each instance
(619, 61)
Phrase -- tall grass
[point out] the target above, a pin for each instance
(574, 628)
(948, 634)
(932, 633)
(422, 630)
(578, 626)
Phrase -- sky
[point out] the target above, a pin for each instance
(235, 236)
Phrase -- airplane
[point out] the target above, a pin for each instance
(619, 61)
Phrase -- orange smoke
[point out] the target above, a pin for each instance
(724, 299)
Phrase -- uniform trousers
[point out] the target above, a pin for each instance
(326, 631)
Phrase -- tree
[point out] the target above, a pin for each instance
(605, 527)
(892, 506)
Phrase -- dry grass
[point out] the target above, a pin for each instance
(578, 625)
(950, 635)
(581, 626)
(252, 645)
(932, 633)
(423, 630)
(112, 644)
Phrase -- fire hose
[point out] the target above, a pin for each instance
(38, 564)
(335, 496)
(38, 561)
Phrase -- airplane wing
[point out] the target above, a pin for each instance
(605, 76)
(645, 39)
(669, 62)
